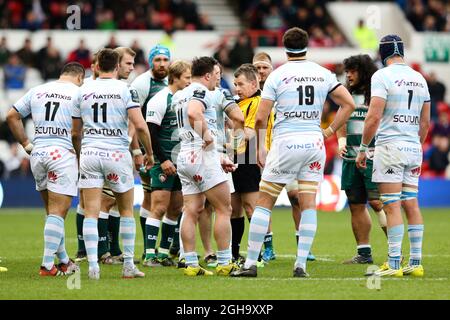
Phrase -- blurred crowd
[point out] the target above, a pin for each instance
(104, 15)
(280, 15)
(428, 15)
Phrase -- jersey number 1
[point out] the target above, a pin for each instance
(95, 108)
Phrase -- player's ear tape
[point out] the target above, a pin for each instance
(387, 198)
(409, 193)
(307, 188)
(273, 189)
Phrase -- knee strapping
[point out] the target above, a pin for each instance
(307, 188)
(271, 188)
(388, 198)
(409, 193)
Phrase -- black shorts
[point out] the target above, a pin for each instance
(246, 178)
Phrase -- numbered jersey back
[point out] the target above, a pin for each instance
(180, 100)
(103, 108)
(405, 92)
(51, 106)
(299, 89)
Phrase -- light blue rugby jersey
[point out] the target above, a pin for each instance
(103, 106)
(197, 91)
(299, 89)
(222, 100)
(51, 106)
(405, 92)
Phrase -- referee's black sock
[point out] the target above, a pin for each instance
(237, 231)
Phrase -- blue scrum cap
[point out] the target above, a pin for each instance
(157, 50)
(391, 45)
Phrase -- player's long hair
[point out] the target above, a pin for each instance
(365, 67)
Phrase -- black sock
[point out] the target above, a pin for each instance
(237, 231)
(143, 220)
(113, 232)
(103, 243)
(80, 219)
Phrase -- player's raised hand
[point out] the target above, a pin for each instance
(361, 160)
(168, 168)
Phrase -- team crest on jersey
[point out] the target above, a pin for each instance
(315, 166)
(52, 176)
(113, 178)
(55, 154)
(162, 177)
(198, 178)
(199, 93)
(134, 95)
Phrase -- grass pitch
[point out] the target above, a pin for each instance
(21, 247)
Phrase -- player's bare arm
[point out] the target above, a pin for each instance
(343, 98)
(262, 117)
(135, 116)
(77, 127)
(341, 134)
(198, 122)
(15, 124)
(424, 121)
(371, 124)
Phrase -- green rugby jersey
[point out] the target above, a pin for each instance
(159, 112)
(355, 127)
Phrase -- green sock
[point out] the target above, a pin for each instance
(268, 240)
(80, 219)
(364, 250)
(102, 235)
(151, 232)
(167, 234)
(114, 229)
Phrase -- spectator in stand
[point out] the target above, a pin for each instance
(442, 127)
(130, 22)
(242, 51)
(318, 39)
(139, 59)
(437, 93)
(43, 59)
(273, 21)
(365, 37)
(438, 155)
(188, 10)
(222, 55)
(26, 54)
(205, 23)
(288, 11)
(112, 44)
(14, 73)
(4, 51)
(105, 20)
(31, 22)
(416, 14)
(303, 19)
(87, 16)
(81, 55)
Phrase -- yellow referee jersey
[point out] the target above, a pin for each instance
(249, 108)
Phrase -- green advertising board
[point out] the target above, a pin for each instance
(437, 47)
